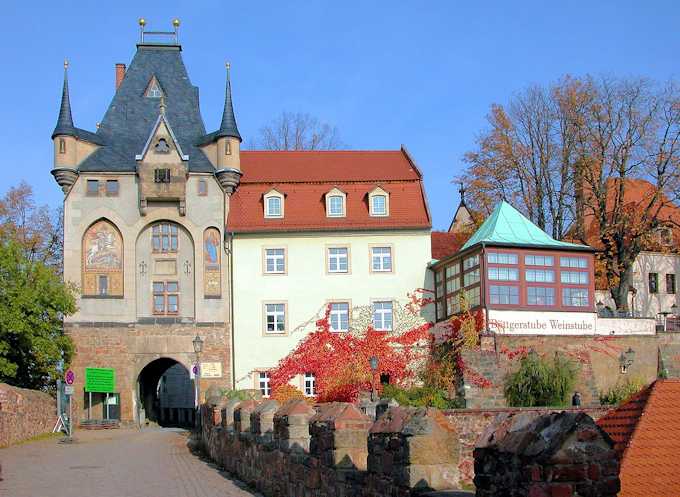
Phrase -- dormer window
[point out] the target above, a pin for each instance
(153, 90)
(379, 203)
(335, 203)
(273, 204)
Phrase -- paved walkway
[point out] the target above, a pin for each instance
(113, 463)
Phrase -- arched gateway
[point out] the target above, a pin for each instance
(165, 394)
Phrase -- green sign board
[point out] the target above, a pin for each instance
(100, 380)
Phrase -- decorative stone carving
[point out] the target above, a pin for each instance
(229, 179)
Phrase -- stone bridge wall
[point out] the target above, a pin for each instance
(334, 450)
(24, 414)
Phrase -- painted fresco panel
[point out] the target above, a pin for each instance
(212, 263)
(102, 260)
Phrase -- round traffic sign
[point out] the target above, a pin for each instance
(195, 369)
(70, 377)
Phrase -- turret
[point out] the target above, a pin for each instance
(64, 140)
(228, 160)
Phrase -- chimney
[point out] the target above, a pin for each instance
(120, 74)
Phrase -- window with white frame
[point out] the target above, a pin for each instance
(275, 315)
(263, 384)
(471, 277)
(310, 384)
(165, 237)
(501, 258)
(378, 202)
(379, 205)
(273, 207)
(540, 295)
(503, 273)
(338, 260)
(539, 260)
(382, 316)
(471, 262)
(381, 259)
(335, 206)
(504, 294)
(275, 260)
(339, 316)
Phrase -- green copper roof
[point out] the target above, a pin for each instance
(507, 226)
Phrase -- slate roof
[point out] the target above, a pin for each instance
(131, 116)
(304, 177)
(228, 125)
(647, 432)
(507, 226)
(65, 125)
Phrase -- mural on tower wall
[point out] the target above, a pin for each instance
(211, 262)
(102, 260)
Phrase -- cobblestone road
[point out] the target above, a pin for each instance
(113, 463)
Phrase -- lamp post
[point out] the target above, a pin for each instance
(373, 362)
(198, 348)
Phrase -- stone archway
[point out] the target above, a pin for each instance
(165, 394)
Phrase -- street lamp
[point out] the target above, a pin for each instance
(198, 348)
(373, 362)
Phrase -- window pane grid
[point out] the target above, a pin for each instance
(539, 260)
(503, 273)
(339, 316)
(538, 295)
(274, 206)
(310, 384)
(165, 297)
(381, 258)
(501, 258)
(379, 205)
(164, 237)
(575, 297)
(264, 385)
(338, 261)
(382, 316)
(275, 260)
(574, 277)
(276, 318)
(575, 262)
(540, 275)
(504, 294)
(335, 205)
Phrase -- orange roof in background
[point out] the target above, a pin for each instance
(445, 243)
(646, 429)
(637, 193)
(305, 177)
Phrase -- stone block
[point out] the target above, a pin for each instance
(242, 415)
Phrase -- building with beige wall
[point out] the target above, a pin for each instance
(346, 229)
(145, 202)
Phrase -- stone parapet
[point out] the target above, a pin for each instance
(262, 421)
(291, 426)
(561, 454)
(24, 414)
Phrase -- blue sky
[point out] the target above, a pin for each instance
(385, 73)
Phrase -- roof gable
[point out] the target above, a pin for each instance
(507, 226)
(154, 131)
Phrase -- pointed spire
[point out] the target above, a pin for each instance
(461, 190)
(65, 120)
(228, 126)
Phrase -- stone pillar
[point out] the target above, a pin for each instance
(242, 416)
(413, 449)
(339, 433)
(228, 414)
(262, 422)
(291, 426)
(560, 454)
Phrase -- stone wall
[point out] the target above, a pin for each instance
(551, 455)
(331, 450)
(471, 423)
(24, 414)
(598, 357)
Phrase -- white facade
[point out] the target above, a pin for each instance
(306, 286)
(646, 302)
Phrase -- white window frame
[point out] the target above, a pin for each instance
(378, 192)
(336, 193)
(381, 258)
(264, 383)
(283, 258)
(339, 313)
(270, 195)
(335, 257)
(280, 317)
(309, 384)
(382, 312)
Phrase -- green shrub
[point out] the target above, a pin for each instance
(540, 382)
(622, 391)
(420, 397)
(239, 394)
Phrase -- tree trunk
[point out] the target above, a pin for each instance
(620, 292)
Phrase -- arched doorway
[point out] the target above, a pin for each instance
(165, 394)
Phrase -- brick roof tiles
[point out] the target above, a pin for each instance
(445, 244)
(305, 177)
(646, 431)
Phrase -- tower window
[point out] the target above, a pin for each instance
(165, 297)
(164, 237)
(92, 187)
(161, 175)
(62, 146)
(227, 147)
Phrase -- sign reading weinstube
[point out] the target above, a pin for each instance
(542, 323)
(100, 380)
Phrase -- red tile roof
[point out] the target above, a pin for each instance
(445, 244)
(646, 430)
(305, 177)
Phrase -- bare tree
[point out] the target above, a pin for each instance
(297, 131)
(591, 159)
